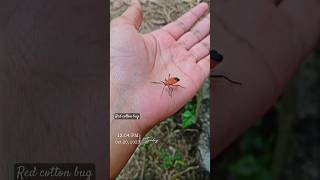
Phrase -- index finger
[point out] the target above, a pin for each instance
(186, 21)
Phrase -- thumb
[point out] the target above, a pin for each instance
(133, 15)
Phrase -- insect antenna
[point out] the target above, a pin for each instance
(157, 82)
(226, 78)
(160, 82)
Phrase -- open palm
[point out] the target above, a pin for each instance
(180, 49)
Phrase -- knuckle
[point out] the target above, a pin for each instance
(196, 33)
(205, 45)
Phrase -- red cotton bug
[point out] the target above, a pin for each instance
(170, 83)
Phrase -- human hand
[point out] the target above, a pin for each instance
(263, 43)
(137, 60)
(180, 49)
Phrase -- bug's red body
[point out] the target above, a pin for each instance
(170, 82)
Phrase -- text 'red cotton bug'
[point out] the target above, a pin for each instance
(170, 83)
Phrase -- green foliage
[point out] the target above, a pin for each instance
(170, 161)
(256, 160)
(251, 167)
(189, 115)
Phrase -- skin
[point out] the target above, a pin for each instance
(52, 83)
(263, 43)
(180, 48)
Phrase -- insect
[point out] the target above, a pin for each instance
(170, 83)
(217, 59)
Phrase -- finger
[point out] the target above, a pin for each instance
(186, 21)
(204, 64)
(134, 15)
(305, 18)
(201, 50)
(196, 34)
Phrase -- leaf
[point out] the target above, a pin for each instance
(169, 161)
(188, 119)
(247, 166)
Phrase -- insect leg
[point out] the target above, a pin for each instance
(157, 82)
(177, 85)
(170, 91)
(162, 90)
(226, 78)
